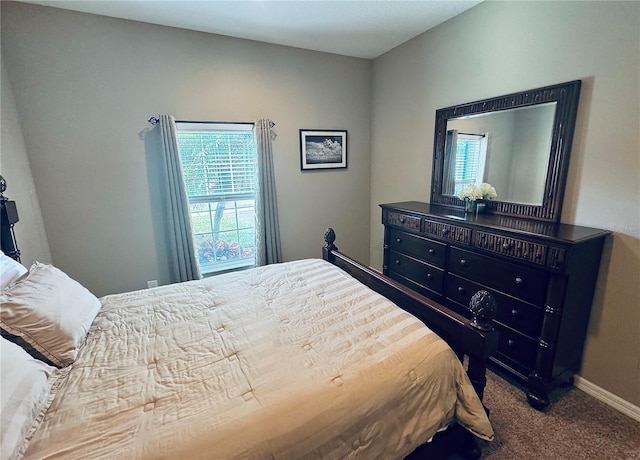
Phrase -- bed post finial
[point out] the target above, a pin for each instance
(329, 238)
(3, 188)
(483, 309)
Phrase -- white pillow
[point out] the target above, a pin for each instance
(10, 270)
(26, 395)
(49, 311)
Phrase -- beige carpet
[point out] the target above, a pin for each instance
(576, 426)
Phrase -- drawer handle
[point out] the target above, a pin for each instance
(515, 313)
(397, 261)
(445, 231)
(429, 276)
(461, 290)
(432, 251)
(506, 246)
(519, 281)
(511, 343)
(399, 240)
(464, 262)
(403, 220)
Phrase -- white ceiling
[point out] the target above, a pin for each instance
(359, 28)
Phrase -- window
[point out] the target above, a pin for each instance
(219, 167)
(470, 160)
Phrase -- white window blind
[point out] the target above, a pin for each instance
(469, 160)
(218, 159)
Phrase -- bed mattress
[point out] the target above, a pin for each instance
(290, 361)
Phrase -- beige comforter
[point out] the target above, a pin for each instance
(296, 360)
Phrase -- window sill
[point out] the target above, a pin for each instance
(218, 268)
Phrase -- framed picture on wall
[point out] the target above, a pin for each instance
(323, 149)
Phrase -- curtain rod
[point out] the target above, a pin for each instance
(473, 134)
(155, 121)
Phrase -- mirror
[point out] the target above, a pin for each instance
(519, 143)
(509, 149)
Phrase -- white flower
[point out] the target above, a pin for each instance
(470, 192)
(488, 191)
(474, 192)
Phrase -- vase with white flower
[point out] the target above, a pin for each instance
(474, 195)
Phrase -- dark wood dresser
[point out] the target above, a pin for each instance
(542, 275)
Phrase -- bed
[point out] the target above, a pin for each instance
(299, 360)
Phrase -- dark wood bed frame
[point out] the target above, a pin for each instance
(474, 338)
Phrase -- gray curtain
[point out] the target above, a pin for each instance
(449, 164)
(269, 250)
(181, 251)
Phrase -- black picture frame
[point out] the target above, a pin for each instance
(323, 149)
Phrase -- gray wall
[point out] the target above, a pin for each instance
(530, 150)
(15, 168)
(84, 87)
(514, 46)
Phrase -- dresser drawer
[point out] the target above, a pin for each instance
(524, 283)
(416, 270)
(512, 247)
(518, 315)
(517, 347)
(403, 220)
(416, 246)
(419, 288)
(447, 231)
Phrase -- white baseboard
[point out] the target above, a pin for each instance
(608, 398)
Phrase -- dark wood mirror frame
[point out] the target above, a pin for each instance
(566, 96)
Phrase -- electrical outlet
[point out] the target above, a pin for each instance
(152, 284)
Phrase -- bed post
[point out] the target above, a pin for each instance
(8, 217)
(483, 310)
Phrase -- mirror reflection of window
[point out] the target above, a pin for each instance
(515, 162)
(471, 154)
(467, 155)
